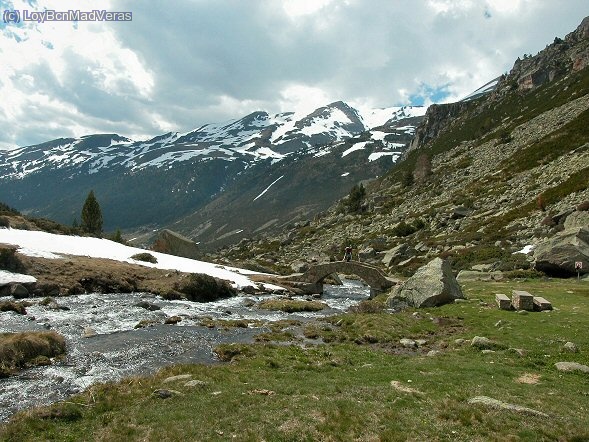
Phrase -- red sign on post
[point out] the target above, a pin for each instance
(578, 265)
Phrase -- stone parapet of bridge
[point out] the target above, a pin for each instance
(374, 277)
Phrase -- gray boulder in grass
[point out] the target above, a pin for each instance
(431, 286)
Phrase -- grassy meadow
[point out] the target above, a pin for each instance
(350, 378)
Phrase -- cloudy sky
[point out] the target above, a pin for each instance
(178, 65)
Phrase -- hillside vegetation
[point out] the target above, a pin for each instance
(482, 187)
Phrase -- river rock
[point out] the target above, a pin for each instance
(172, 320)
(180, 377)
(397, 254)
(571, 347)
(195, 383)
(248, 302)
(89, 332)
(249, 290)
(461, 212)
(408, 343)
(500, 405)
(148, 306)
(557, 255)
(19, 291)
(482, 343)
(166, 394)
(571, 366)
(432, 285)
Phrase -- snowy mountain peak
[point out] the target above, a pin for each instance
(256, 136)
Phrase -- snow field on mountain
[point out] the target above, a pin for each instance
(51, 246)
(355, 147)
(376, 155)
(268, 188)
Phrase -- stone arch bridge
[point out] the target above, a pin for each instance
(312, 280)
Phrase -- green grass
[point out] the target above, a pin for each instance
(342, 390)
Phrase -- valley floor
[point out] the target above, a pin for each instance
(368, 376)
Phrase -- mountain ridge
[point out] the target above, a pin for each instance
(155, 182)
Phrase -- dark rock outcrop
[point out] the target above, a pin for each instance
(557, 256)
(173, 243)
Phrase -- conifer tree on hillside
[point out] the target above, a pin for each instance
(92, 215)
(356, 198)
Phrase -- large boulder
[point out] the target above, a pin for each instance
(557, 256)
(432, 285)
(173, 243)
(397, 254)
(577, 219)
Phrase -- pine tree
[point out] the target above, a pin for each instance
(118, 237)
(356, 198)
(92, 216)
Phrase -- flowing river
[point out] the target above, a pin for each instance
(119, 350)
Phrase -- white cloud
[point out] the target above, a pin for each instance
(302, 99)
(297, 8)
(178, 67)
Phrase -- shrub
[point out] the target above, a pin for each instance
(145, 257)
(7, 210)
(504, 136)
(368, 306)
(9, 261)
(118, 237)
(541, 203)
(524, 274)
(583, 207)
(407, 179)
(51, 226)
(229, 352)
(403, 229)
(10, 306)
(4, 222)
(205, 288)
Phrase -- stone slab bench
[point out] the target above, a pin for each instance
(503, 301)
(541, 304)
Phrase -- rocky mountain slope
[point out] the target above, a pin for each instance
(483, 178)
(156, 182)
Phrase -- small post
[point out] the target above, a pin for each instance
(578, 267)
